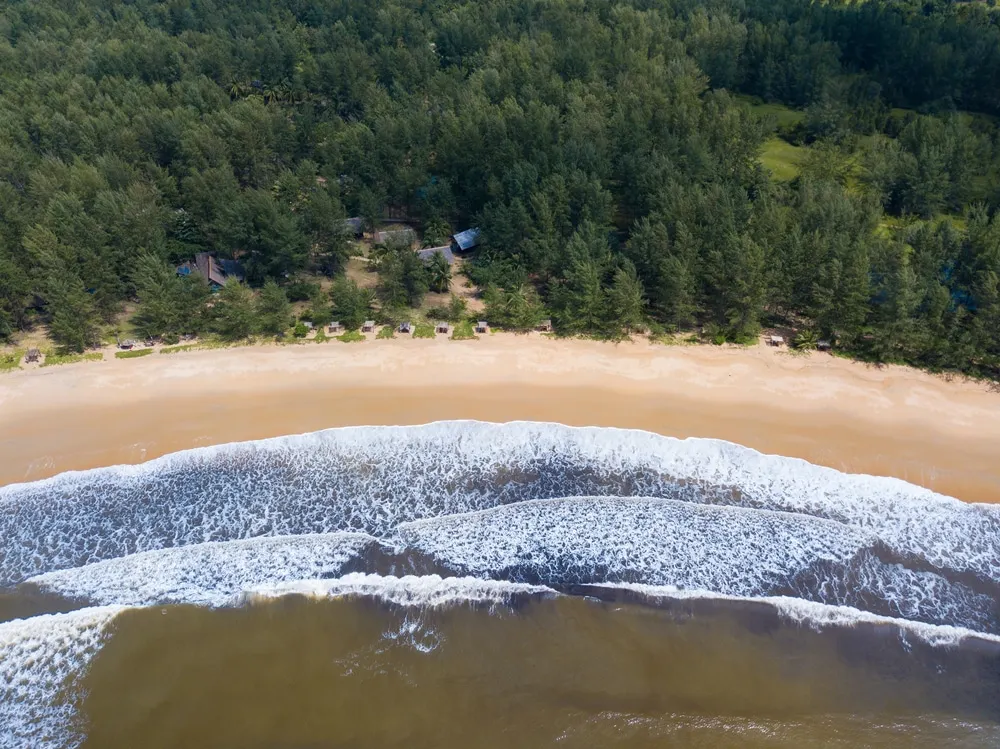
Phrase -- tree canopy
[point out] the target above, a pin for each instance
(605, 149)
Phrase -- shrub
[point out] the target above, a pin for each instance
(351, 336)
(300, 331)
(463, 331)
(387, 331)
(171, 339)
(10, 361)
(424, 331)
(134, 353)
(54, 360)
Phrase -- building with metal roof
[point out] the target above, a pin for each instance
(465, 240)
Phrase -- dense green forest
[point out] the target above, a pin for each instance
(608, 150)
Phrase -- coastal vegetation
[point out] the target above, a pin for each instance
(832, 168)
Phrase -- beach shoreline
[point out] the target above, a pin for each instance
(891, 420)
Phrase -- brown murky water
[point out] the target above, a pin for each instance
(305, 674)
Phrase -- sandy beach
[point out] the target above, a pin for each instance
(890, 421)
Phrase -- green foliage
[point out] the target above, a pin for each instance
(387, 331)
(351, 336)
(806, 340)
(578, 140)
(273, 310)
(135, 353)
(233, 313)
(11, 360)
(351, 305)
(424, 330)
(179, 349)
(403, 278)
(438, 273)
(56, 359)
(168, 303)
(517, 309)
(300, 330)
(463, 331)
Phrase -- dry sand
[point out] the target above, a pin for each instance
(888, 421)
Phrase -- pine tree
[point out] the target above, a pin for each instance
(72, 316)
(626, 301)
(274, 311)
(233, 312)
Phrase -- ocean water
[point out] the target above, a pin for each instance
(474, 584)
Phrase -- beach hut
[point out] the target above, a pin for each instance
(442, 327)
(405, 327)
(32, 356)
(775, 340)
(335, 327)
(308, 324)
(465, 240)
(823, 345)
(368, 327)
(127, 345)
(482, 327)
(545, 326)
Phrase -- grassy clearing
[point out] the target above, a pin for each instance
(351, 336)
(55, 360)
(135, 353)
(782, 159)
(463, 332)
(387, 331)
(178, 349)
(783, 116)
(11, 360)
(424, 331)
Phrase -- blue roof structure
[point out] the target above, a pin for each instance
(466, 240)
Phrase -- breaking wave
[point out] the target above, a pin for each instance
(728, 550)
(40, 659)
(423, 591)
(210, 574)
(482, 514)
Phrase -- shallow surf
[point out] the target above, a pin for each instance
(511, 529)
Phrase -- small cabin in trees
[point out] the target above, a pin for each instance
(400, 237)
(368, 327)
(465, 240)
(442, 327)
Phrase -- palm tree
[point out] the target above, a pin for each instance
(806, 340)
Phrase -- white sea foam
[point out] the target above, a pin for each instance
(39, 660)
(817, 616)
(728, 550)
(210, 574)
(372, 478)
(424, 591)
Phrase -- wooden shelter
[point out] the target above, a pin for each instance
(32, 356)
(545, 326)
(823, 345)
(368, 327)
(405, 327)
(482, 327)
(335, 327)
(775, 340)
(442, 327)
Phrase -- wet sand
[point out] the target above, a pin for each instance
(890, 421)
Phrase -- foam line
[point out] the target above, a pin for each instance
(370, 479)
(210, 574)
(729, 550)
(426, 591)
(40, 660)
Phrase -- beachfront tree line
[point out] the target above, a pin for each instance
(599, 145)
